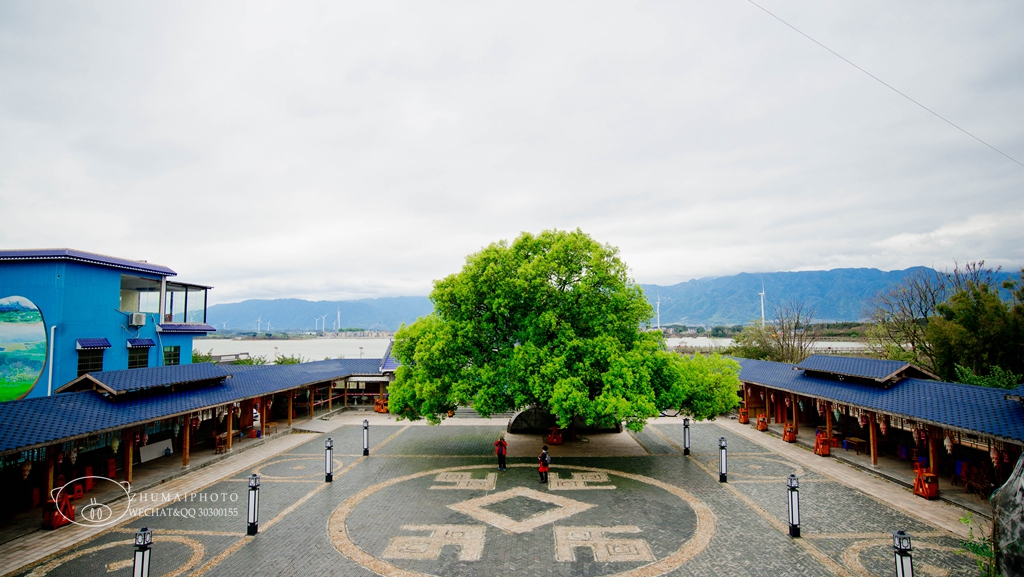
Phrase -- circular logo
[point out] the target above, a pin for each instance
(458, 520)
(92, 514)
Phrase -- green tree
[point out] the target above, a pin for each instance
(257, 360)
(199, 356)
(553, 321)
(979, 332)
(289, 360)
(787, 338)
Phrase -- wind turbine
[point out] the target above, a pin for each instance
(259, 323)
(323, 323)
(337, 324)
(659, 310)
(762, 302)
(268, 326)
(224, 325)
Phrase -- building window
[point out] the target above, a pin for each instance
(172, 355)
(90, 361)
(138, 358)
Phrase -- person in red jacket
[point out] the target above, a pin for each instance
(545, 460)
(500, 449)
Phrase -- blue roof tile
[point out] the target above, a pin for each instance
(39, 421)
(185, 328)
(100, 343)
(140, 343)
(853, 366)
(389, 363)
(86, 257)
(130, 380)
(981, 410)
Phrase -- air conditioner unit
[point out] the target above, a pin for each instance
(137, 319)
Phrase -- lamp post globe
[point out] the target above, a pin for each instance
(366, 438)
(793, 488)
(329, 460)
(140, 561)
(901, 553)
(686, 435)
(723, 464)
(253, 509)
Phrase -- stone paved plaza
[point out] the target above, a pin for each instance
(430, 501)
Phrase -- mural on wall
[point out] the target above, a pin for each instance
(22, 347)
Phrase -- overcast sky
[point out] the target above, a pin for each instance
(334, 151)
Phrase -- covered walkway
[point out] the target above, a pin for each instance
(945, 440)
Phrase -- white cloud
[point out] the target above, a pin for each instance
(342, 150)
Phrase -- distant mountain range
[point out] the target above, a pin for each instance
(381, 314)
(835, 295)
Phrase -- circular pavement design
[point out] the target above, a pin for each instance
(289, 468)
(83, 563)
(640, 528)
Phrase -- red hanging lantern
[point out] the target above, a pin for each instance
(762, 395)
(863, 420)
(787, 402)
(773, 397)
(883, 425)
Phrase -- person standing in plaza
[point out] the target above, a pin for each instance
(545, 460)
(500, 449)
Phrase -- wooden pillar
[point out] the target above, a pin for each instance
(263, 417)
(767, 404)
(291, 397)
(128, 442)
(231, 414)
(185, 434)
(330, 396)
(828, 421)
(345, 394)
(796, 415)
(874, 439)
(51, 461)
(310, 389)
(933, 453)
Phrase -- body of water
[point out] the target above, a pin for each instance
(311, 349)
(707, 343)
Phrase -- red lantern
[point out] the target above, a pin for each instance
(787, 402)
(883, 425)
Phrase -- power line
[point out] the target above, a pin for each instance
(883, 83)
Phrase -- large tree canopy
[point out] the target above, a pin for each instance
(551, 321)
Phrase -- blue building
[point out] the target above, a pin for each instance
(65, 313)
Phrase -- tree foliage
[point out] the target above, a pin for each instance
(553, 321)
(787, 338)
(957, 325)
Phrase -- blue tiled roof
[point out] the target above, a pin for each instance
(35, 422)
(185, 328)
(389, 363)
(980, 410)
(140, 343)
(853, 366)
(130, 380)
(100, 343)
(86, 257)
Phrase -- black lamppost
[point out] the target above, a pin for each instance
(901, 548)
(143, 541)
(366, 438)
(254, 505)
(723, 468)
(793, 483)
(329, 460)
(686, 435)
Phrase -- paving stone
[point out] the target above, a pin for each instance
(663, 505)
